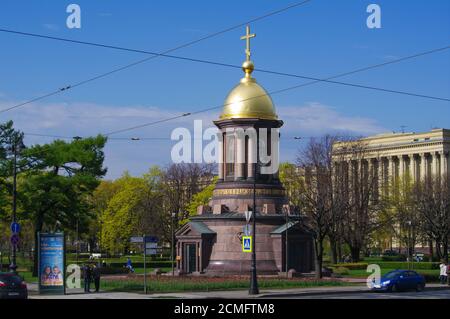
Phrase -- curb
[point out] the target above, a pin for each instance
(334, 292)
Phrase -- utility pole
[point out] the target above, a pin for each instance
(13, 266)
(254, 281)
(145, 264)
(172, 243)
(78, 237)
(286, 243)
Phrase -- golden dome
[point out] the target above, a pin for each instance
(248, 99)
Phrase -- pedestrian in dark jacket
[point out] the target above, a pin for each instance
(87, 276)
(96, 277)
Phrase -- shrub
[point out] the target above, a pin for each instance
(341, 271)
(394, 258)
(405, 265)
(427, 258)
(113, 271)
(353, 266)
(150, 264)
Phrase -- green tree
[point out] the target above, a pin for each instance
(11, 145)
(201, 198)
(120, 218)
(293, 181)
(60, 178)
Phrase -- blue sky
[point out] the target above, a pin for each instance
(319, 39)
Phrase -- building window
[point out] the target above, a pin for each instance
(230, 155)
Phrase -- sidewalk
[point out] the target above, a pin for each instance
(230, 294)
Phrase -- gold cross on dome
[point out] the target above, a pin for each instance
(247, 37)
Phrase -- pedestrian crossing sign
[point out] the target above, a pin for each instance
(247, 244)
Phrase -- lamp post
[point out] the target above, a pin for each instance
(409, 243)
(172, 243)
(253, 278)
(13, 266)
(286, 241)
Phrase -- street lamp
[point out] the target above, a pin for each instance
(409, 223)
(253, 280)
(172, 243)
(13, 266)
(285, 210)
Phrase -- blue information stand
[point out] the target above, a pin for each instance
(51, 263)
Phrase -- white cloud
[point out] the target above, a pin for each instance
(86, 119)
(316, 119)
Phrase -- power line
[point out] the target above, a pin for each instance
(276, 91)
(65, 88)
(138, 138)
(234, 66)
(287, 89)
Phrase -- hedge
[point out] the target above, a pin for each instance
(404, 265)
(394, 258)
(113, 271)
(352, 266)
(390, 265)
(150, 264)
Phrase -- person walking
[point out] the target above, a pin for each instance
(443, 272)
(96, 277)
(87, 275)
(448, 274)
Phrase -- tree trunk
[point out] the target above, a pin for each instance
(445, 248)
(438, 250)
(38, 228)
(334, 251)
(430, 246)
(355, 253)
(318, 254)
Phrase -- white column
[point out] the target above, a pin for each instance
(370, 168)
(446, 170)
(359, 170)
(443, 164)
(240, 157)
(251, 156)
(412, 168)
(351, 174)
(423, 167)
(391, 170)
(435, 165)
(220, 153)
(380, 173)
(401, 167)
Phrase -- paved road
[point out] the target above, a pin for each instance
(431, 294)
(342, 292)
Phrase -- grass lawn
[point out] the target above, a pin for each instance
(179, 284)
(363, 274)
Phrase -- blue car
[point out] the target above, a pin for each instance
(399, 280)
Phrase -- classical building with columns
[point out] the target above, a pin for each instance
(211, 242)
(392, 155)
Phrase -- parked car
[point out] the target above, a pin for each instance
(12, 286)
(399, 280)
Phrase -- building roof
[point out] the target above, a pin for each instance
(233, 215)
(201, 228)
(281, 229)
